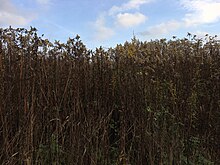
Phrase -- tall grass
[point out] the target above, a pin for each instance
(145, 103)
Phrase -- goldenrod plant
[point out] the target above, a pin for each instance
(140, 103)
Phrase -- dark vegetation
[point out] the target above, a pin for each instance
(141, 103)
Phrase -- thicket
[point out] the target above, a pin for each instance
(150, 103)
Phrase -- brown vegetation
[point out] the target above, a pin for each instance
(153, 103)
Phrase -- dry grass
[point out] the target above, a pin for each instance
(144, 103)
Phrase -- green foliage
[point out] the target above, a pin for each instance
(51, 153)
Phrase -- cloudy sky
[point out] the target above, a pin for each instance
(108, 22)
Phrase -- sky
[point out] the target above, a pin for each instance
(107, 23)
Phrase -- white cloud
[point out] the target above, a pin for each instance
(102, 31)
(132, 4)
(120, 17)
(7, 19)
(11, 15)
(129, 20)
(163, 28)
(201, 12)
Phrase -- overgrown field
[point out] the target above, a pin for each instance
(141, 103)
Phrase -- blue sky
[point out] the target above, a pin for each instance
(110, 22)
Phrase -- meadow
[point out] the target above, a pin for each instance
(140, 103)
